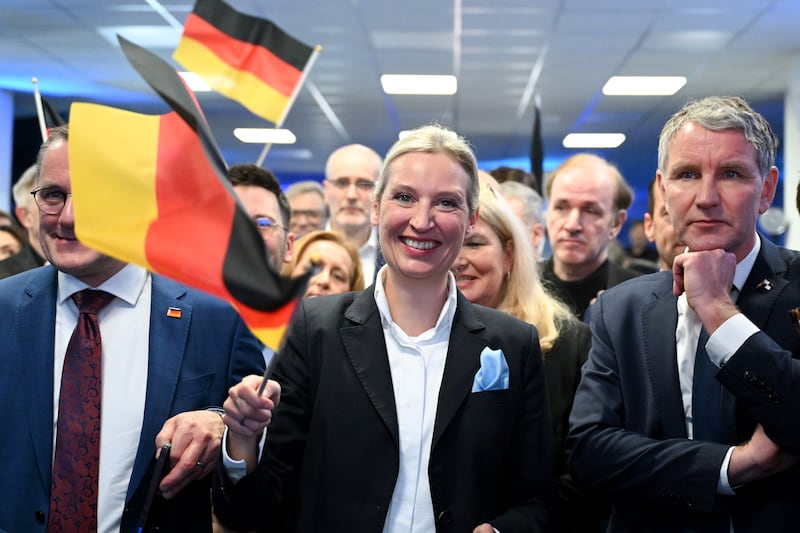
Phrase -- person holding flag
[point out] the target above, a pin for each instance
(82, 426)
(402, 407)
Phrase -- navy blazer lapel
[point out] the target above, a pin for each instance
(755, 300)
(463, 361)
(167, 344)
(366, 348)
(35, 315)
(659, 321)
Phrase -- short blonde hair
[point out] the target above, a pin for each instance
(434, 139)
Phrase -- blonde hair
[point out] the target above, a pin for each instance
(524, 296)
(356, 275)
(434, 139)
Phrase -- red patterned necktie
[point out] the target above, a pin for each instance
(73, 493)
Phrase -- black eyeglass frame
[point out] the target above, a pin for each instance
(50, 208)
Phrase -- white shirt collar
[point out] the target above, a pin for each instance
(744, 266)
(443, 323)
(127, 284)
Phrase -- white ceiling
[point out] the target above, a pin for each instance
(503, 52)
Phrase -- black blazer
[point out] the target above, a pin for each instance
(562, 370)
(576, 509)
(331, 458)
(628, 435)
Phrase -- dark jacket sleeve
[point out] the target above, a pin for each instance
(608, 448)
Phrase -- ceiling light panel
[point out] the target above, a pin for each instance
(643, 85)
(264, 136)
(419, 84)
(593, 140)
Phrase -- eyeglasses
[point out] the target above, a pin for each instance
(267, 227)
(307, 213)
(344, 184)
(51, 200)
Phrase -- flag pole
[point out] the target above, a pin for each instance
(310, 273)
(37, 98)
(310, 63)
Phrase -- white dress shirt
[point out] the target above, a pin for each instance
(417, 367)
(368, 254)
(125, 332)
(725, 341)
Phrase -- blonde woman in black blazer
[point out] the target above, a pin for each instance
(341, 452)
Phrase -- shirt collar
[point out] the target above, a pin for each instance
(443, 323)
(127, 284)
(744, 266)
(372, 243)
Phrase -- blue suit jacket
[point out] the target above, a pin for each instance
(627, 429)
(192, 362)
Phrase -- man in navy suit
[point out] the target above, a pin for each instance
(641, 427)
(169, 354)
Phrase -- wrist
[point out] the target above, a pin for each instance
(221, 413)
(714, 315)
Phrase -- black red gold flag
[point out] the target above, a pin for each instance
(153, 190)
(248, 59)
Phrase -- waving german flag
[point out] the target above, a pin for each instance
(248, 59)
(153, 190)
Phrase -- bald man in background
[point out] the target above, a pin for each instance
(350, 175)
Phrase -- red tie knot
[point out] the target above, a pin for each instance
(91, 301)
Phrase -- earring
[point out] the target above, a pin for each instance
(508, 275)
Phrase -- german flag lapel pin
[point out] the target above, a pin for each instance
(174, 312)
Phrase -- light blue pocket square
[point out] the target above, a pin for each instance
(493, 373)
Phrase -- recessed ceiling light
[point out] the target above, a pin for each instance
(264, 136)
(593, 140)
(449, 133)
(419, 84)
(195, 82)
(643, 85)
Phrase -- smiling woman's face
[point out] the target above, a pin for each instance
(9, 245)
(481, 267)
(422, 215)
(336, 268)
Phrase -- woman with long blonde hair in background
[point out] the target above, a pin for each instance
(497, 268)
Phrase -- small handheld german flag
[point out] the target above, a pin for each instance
(248, 59)
(168, 202)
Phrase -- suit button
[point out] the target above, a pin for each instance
(39, 517)
(775, 398)
(749, 377)
(445, 518)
